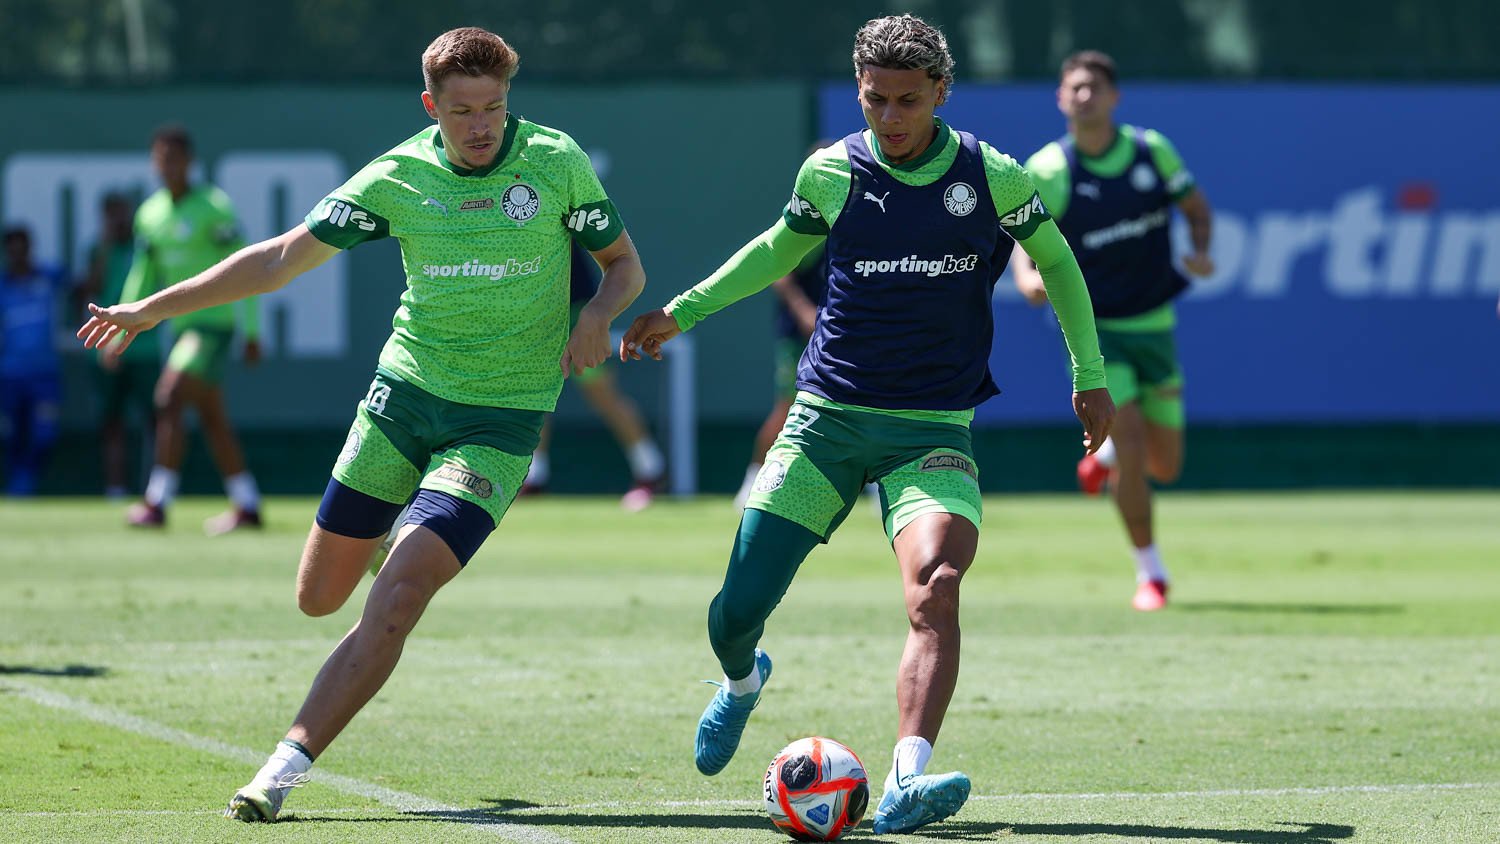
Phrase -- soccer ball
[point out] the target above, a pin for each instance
(816, 789)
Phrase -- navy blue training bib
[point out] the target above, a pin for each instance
(907, 322)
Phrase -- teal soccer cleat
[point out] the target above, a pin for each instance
(921, 800)
(724, 720)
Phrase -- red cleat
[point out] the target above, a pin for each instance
(1150, 596)
(145, 515)
(529, 489)
(232, 520)
(1092, 475)
(640, 496)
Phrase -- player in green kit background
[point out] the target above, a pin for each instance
(484, 205)
(1111, 189)
(181, 230)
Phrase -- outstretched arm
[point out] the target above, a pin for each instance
(758, 263)
(259, 268)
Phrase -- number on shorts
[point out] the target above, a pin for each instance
(375, 399)
(798, 418)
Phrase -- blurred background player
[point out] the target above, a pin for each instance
(602, 392)
(1111, 189)
(31, 297)
(125, 379)
(798, 296)
(182, 230)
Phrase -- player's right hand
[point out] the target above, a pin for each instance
(647, 333)
(106, 324)
(1096, 410)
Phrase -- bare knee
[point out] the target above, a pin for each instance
(933, 605)
(316, 604)
(1166, 470)
(396, 609)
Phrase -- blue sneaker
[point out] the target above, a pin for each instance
(921, 800)
(724, 720)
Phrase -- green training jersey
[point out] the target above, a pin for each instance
(1049, 170)
(484, 318)
(176, 240)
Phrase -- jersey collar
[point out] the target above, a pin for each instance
(934, 149)
(505, 144)
(1110, 150)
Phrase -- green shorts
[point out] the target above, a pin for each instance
(404, 438)
(133, 383)
(788, 355)
(826, 453)
(1142, 367)
(202, 353)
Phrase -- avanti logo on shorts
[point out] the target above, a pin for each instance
(494, 272)
(945, 265)
(949, 462)
(461, 477)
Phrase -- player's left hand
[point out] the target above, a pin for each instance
(647, 333)
(252, 352)
(1096, 410)
(588, 345)
(1199, 264)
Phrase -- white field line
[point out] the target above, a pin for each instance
(1408, 788)
(398, 800)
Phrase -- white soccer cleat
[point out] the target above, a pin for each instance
(260, 801)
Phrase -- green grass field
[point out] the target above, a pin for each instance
(1329, 671)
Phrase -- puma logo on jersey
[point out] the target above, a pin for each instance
(878, 200)
(1022, 215)
(434, 203)
(1088, 189)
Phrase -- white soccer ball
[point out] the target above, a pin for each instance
(816, 789)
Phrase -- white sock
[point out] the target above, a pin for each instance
(747, 485)
(243, 491)
(909, 760)
(1106, 453)
(161, 488)
(747, 686)
(541, 469)
(646, 462)
(286, 762)
(1148, 565)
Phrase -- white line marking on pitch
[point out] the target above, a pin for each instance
(744, 804)
(1021, 798)
(399, 800)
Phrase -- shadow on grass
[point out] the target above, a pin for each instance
(503, 812)
(65, 671)
(1295, 833)
(1305, 609)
